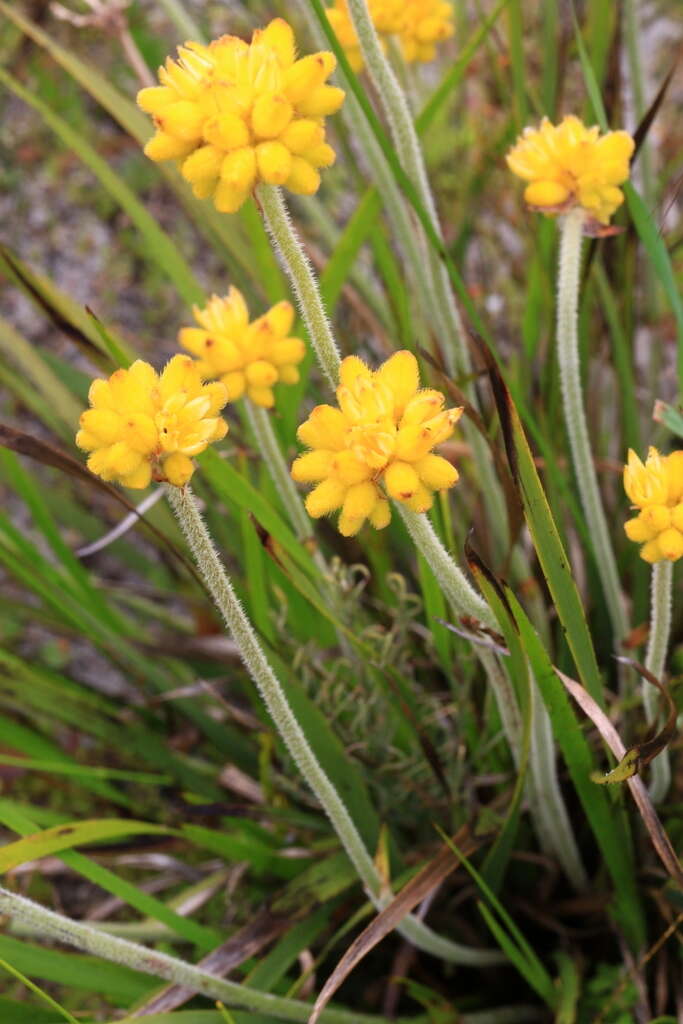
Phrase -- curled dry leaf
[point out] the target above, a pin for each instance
(660, 839)
(431, 876)
(642, 754)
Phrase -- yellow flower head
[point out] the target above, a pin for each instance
(418, 25)
(143, 425)
(425, 23)
(246, 357)
(234, 114)
(378, 442)
(655, 487)
(570, 165)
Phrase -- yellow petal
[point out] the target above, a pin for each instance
(270, 116)
(360, 500)
(274, 162)
(311, 467)
(401, 481)
(178, 469)
(546, 193)
(671, 544)
(234, 384)
(401, 375)
(303, 178)
(324, 428)
(261, 396)
(261, 374)
(381, 514)
(326, 497)
(321, 102)
(436, 473)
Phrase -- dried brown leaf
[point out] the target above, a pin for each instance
(431, 876)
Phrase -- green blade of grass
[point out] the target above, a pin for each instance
(75, 971)
(66, 315)
(27, 359)
(609, 828)
(146, 904)
(61, 1010)
(494, 866)
(508, 935)
(75, 833)
(545, 536)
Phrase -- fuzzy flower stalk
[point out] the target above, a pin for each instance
(655, 490)
(143, 426)
(233, 114)
(378, 444)
(419, 26)
(575, 172)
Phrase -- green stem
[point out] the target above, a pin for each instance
(61, 929)
(407, 144)
(547, 806)
(449, 576)
(269, 446)
(299, 270)
(550, 813)
(185, 508)
(547, 809)
(571, 237)
(655, 662)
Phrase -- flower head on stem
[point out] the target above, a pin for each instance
(247, 357)
(234, 114)
(378, 443)
(570, 165)
(418, 25)
(655, 488)
(142, 425)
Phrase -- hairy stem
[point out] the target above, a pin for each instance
(451, 579)
(571, 237)
(50, 925)
(409, 152)
(185, 508)
(655, 661)
(298, 268)
(550, 813)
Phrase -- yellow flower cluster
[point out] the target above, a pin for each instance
(655, 487)
(235, 113)
(568, 165)
(143, 425)
(419, 25)
(382, 433)
(245, 357)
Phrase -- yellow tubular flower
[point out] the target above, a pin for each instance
(570, 165)
(246, 357)
(655, 488)
(424, 24)
(419, 26)
(142, 425)
(234, 114)
(378, 443)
